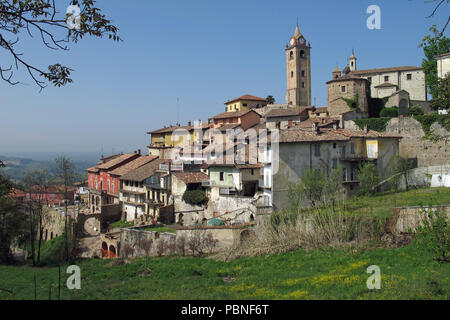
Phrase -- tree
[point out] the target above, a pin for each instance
(13, 221)
(433, 45)
(441, 99)
(270, 100)
(20, 18)
(391, 112)
(65, 170)
(368, 177)
(37, 182)
(415, 111)
(402, 166)
(436, 8)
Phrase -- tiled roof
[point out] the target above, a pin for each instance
(246, 97)
(329, 134)
(234, 114)
(321, 110)
(143, 172)
(134, 164)
(191, 177)
(384, 70)
(173, 128)
(286, 112)
(386, 85)
(93, 169)
(347, 77)
(116, 161)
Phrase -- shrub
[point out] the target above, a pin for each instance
(368, 178)
(434, 234)
(194, 197)
(146, 245)
(415, 111)
(376, 124)
(128, 250)
(389, 112)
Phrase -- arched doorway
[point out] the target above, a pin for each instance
(104, 250)
(112, 251)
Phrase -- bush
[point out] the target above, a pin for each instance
(368, 178)
(434, 234)
(415, 111)
(376, 124)
(194, 197)
(389, 112)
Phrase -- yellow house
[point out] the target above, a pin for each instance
(177, 136)
(244, 103)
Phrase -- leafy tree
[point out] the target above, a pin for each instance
(441, 98)
(66, 172)
(433, 45)
(21, 18)
(434, 234)
(13, 221)
(415, 111)
(270, 100)
(194, 197)
(403, 165)
(368, 177)
(389, 112)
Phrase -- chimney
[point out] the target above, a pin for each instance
(139, 151)
(189, 123)
(315, 127)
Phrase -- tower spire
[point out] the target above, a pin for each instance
(297, 31)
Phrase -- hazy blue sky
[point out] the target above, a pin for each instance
(181, 60)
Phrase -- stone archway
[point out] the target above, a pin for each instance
(112, 251)
(104, 250)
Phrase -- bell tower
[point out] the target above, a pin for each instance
(298, 61)
(352, 62)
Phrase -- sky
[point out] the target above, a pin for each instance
(181, 60)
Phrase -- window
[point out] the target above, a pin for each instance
(317, 150)
(303, 73)
(352, 148)
(343, 88)
(386, 78)
(409, 76)
(334, 145)
(303, 84)
(221, 176)
(292, 74)
(370, 79)
(253, 172)
(244, 104)
(302, 54)
(291, 55)
(334, 163)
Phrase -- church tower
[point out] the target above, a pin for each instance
(298, 57)
(352, 62)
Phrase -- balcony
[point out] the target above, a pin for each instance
(264, 184)
(356, 158)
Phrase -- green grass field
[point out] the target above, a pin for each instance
(406, 273)
(381, 205)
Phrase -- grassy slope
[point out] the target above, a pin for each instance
(381, 205)
(407, 273)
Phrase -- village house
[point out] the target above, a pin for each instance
(443, 65)
(103, 188)
(245, 103)
(283, 118)
(327, 149)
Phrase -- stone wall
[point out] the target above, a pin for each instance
(134, 238)
(407, 219)
(427, 152)
(52, 223)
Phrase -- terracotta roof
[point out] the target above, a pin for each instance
(93, 169)
(347, 77)
(191, 177)
(384, 70)
(229, 126)
(328, 134)
(386, 85)
(116, 161)
(173, 128)
(286, 112)
(234, 114)
(321, 110)
(134, 164)
(246, 97)
(143, 172)
(16, 193)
